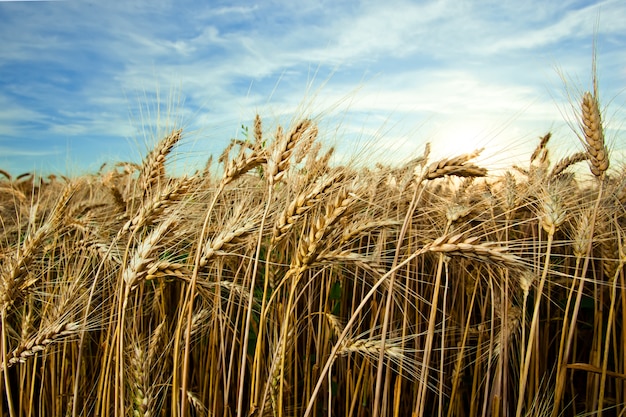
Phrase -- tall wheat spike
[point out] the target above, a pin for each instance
(594, 134)
(153, 167)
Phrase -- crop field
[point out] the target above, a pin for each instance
(274, 283)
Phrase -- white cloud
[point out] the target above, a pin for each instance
(11, 152)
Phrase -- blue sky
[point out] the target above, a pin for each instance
(82, 82)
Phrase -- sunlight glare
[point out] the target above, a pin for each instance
(459, 138)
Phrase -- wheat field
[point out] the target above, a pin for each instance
(286, 286)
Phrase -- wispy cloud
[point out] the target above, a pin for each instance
(10, 152)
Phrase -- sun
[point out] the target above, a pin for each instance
(459, 138)
(466, 136)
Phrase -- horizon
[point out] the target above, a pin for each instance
(82, 84)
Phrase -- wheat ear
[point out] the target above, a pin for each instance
(40, 342)
(457, 166)
(139, 266)
(594, 135)
(300, 206)
(355, 231)
(565, 163)
(227, 237)
(238, 166)
(172, 192)
(541, 150)
(258, 132)
(153, 168)
(486, 252)
(308, 249)
(140, 376)
(280, 153)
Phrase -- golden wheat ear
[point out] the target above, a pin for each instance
(541, 151)
(566, 162)
(39, 342)
(153, 167)
(280, 154)
(298, 207)
(241, 164)
(594, 135)
(458, 166)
